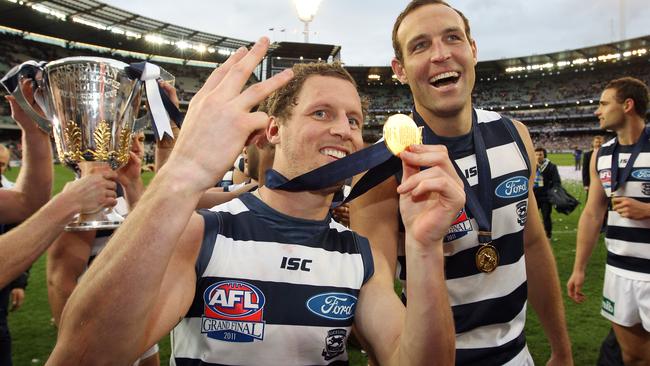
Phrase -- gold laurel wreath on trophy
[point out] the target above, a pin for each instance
(102, 137)
(121, 155)
(73, 142)
(102, 152)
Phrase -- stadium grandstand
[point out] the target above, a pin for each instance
(555, 94)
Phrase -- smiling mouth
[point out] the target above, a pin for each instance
(444, 79)
(338, 154)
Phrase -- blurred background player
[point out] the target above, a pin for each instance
(620, 173)
(546, 177)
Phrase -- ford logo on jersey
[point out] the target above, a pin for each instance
(513, 187)
(333, 305)
(233, 312)
(643, 174)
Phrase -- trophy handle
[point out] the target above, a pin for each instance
(141, 123)
(42, 122)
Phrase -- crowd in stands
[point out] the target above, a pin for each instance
(550, 103)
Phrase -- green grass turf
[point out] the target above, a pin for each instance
(34, 335)
(562, 159)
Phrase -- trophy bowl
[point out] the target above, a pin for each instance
(92, 104)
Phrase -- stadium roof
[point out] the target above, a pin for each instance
(311, 51)
(587, 55)
(568, 55)
(84, 20)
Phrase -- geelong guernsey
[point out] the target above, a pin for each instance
(489, 308)
(627, 240)
(271, 289)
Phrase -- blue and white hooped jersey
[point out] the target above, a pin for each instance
(627, 240)
(272, 289)
(490, 308)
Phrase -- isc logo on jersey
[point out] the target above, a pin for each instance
(461, 226)
(606, 178)
(513, 187)
(233, 312)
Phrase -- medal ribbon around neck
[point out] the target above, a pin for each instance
(619, 180)
(479, 206)
(379, 160)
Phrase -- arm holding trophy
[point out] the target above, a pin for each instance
(21, 246)
(34, 185)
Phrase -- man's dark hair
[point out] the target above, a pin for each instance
(414, 5)
(631, 88)
(543, 150)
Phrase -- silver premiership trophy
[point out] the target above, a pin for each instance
(92, 104)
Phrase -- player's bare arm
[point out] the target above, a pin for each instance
(544, 285)
(136, 261)
(429, 202)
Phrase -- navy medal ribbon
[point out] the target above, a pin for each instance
(487, 257)
(379, 160)
(619, 180)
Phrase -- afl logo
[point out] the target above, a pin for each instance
(642, 174)
(605, 175)
(333, 305)
(513, 187)
(233, 299)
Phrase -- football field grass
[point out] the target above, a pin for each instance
(34, 335)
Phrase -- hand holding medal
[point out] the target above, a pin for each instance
(430, 199)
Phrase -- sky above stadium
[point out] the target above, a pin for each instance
(502, 28)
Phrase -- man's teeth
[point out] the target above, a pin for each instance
(333, 152)
(450, 74)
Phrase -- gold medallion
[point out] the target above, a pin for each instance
(400, 132)
(487, 258)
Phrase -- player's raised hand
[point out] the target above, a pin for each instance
(219, 120)
(429, 199)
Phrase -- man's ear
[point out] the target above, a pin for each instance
(628, 105)
(273, 131)
(472, 44)
(398, 70)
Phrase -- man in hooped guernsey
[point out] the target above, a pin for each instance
(620, 186)
(497, 256)
(267, 278)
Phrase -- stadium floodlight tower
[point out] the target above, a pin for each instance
(306, 11)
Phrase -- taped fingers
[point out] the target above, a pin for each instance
(442, 185)
(408, 183)
(429, 156)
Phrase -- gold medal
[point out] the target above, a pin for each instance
(400, 132)
(487, 258)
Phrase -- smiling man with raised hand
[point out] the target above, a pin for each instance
(267, 278)
(620, 183)
(496, 254)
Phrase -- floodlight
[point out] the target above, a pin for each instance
(306, 11)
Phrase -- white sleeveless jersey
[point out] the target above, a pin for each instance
(490, 308)
(272, 289)
(627, 240)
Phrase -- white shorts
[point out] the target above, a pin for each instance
(626, 302)
(150, 352)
